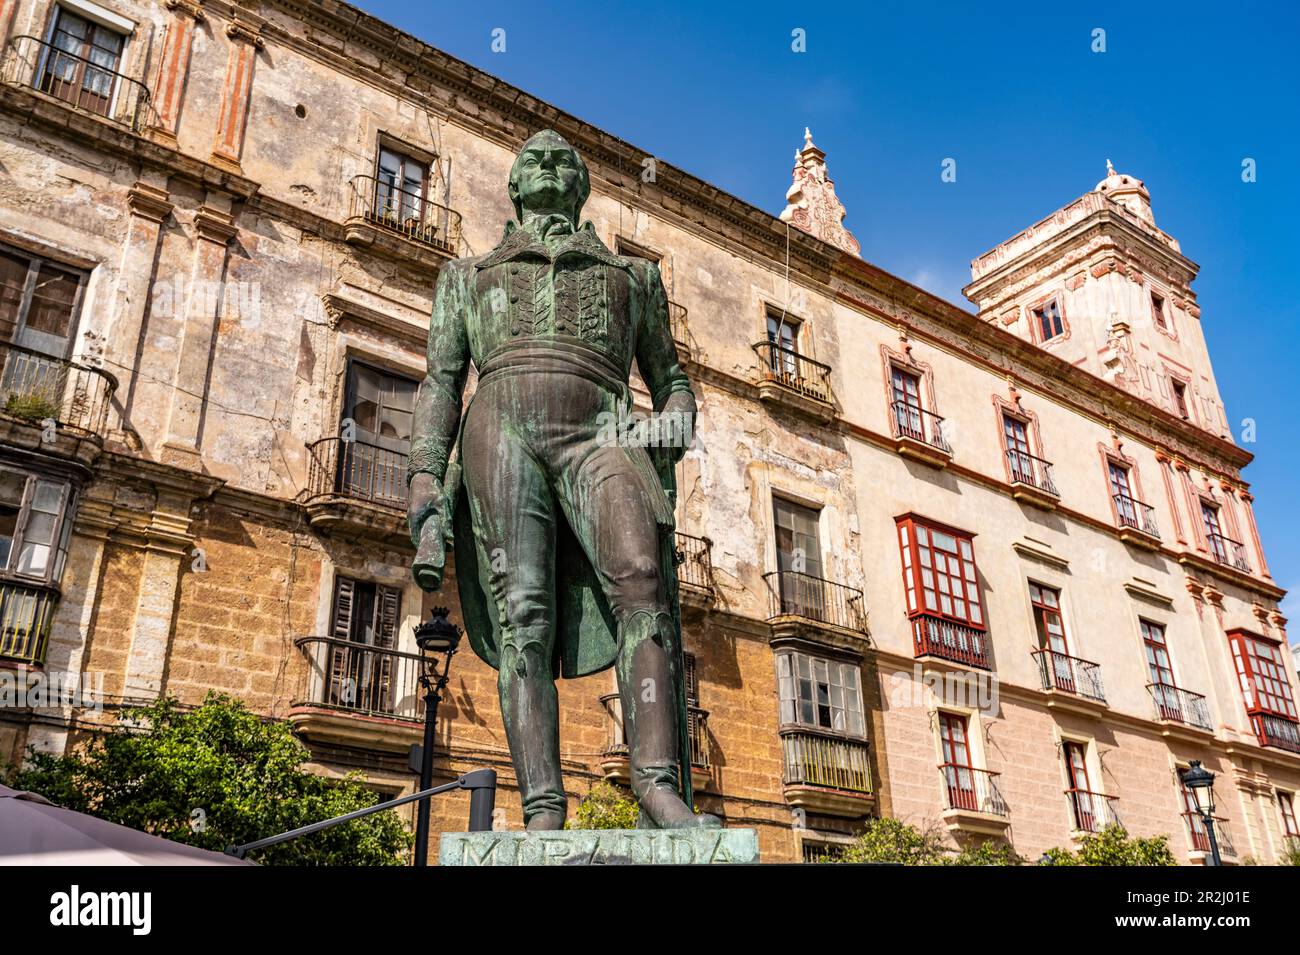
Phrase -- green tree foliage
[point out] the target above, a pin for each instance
(988, 852)
(888, 840)
(215, 776)
(605, 807)
(1112, 846)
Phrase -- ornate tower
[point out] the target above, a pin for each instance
(811, 203)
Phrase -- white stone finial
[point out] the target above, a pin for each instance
(807, 137)
(1110, 170)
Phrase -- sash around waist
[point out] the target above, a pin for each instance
(571, 356)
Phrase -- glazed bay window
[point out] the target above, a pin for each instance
(1265, 689)
(823, 727)
(941, 585)
(35, 524)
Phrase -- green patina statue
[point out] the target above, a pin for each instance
(562, 527)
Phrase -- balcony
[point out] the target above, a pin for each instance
(821, 610)
(87, 87)
(1136, 522)
(36, 389)
(918, 434)
(972, 800)
(934, 636)
(681, 332)
(827, 774)
(1200, 837)
(1092, 812)
(1275, 731)
(1175, 705)
(401, 223)
(694, 571)
(355, 694)
(1031, 479)
(794, 381)
(1228, 552)
(25, 615)
(356, 487)
(1068, 679)
(614, 763)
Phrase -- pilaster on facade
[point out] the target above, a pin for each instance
(244, 33)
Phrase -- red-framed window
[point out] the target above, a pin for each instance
(1261, 671)
(1180, 398)
(1020, 451)
(1153, 638)
(906, 389)
(1286, 804)
(1120, 483)
(1046, 602)
(957, 766)
(939, 572)
(1048, 322)
(1158, 311)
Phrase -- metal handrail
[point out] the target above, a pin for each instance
(1200, 836)
(357, 469)
(44, 67)
(677, 323)
(697, 730)
(694, 561)
(1060, 671)
(38, 387)
(1180, 706)
(1092, 811)
(1136, 514)
(975, 790)
(933, 635)
(407, 213)
(799, 373)
(361, 678)
(803, 595)
(1227, 551)
(812, 759)
(26, 613)
(1026, 468)
(911, 421)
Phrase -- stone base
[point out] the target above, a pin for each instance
(600, 847)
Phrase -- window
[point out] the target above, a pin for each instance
(1015, 434)
(1286, 804)
(1158, 312)
(907, 403)
(363, 624)
(39, 302)
(34, 526)
(1158, 665)
(821, 694)
(1214, 532)
(1180, 398)
(1048, 320)
(783, 335)
(957, 767)
(1046, 602)
(1192, 813)
(81, 66)
(1262, 674)
(799, 559)
(939, 571)
(376, 434)
(1080, 790)
(399, 193)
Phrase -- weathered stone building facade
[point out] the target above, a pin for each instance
(220, 225)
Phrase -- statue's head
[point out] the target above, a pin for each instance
(549, 176)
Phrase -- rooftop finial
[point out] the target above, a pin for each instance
(1110, 170)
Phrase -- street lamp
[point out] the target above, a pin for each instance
(434, 637)
(1201, 782)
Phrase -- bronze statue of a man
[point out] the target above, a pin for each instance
(562, 536)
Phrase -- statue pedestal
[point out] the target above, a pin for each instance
(600, 847)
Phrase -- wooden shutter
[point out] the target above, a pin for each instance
(388, 602)
(341, 629)
(690, 679)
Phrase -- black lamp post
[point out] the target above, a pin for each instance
(434, 637)
(1201, 782)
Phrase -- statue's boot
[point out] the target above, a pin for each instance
(650, 723)
(530, 711)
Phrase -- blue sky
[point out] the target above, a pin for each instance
(1014, 93)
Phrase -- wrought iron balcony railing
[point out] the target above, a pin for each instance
(697, 721)
(1030, 470)
(1228, 552)
(800, 374)
(834, 762)
(975, 790)
(803, 595)
(37, 388)
(694, 561)
(936, 636)
(356, 469)
(389, 207)
(1180, 706)
(25, 616)
(677, 323)
(1130, 512)
(1070, 675)
(85, 85)
(361, 678)
(909, 421)
(1200, 837)
(1092, 812)
(1276, 731)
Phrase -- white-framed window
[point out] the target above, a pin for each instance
(34, 526)
(820, 693)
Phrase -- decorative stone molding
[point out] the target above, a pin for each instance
(811, 203)
(215, 225)
(149, 202)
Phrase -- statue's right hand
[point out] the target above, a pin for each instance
(426, 518)
(424, 502)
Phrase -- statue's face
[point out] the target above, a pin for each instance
(549, 179)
